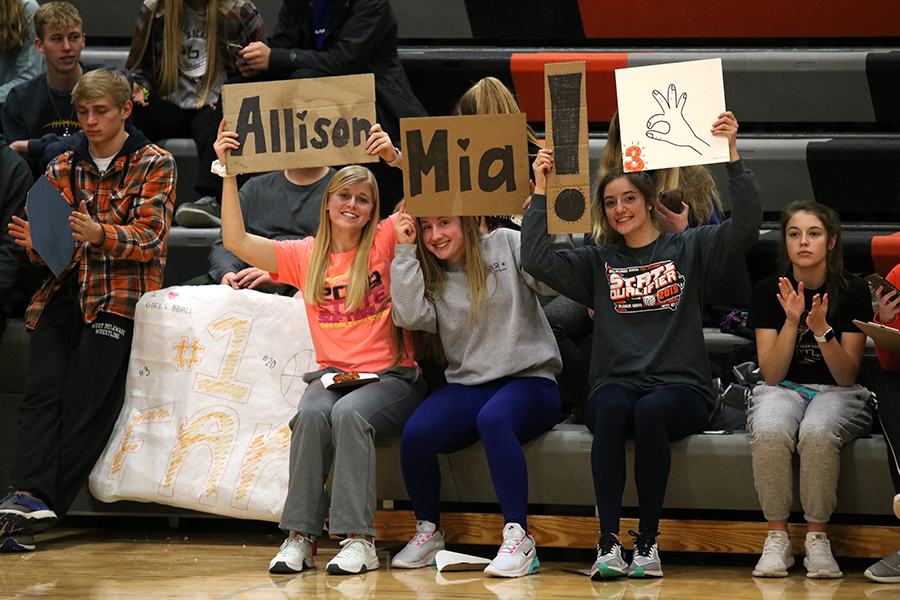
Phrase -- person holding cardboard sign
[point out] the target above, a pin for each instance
(810, 353)
(341, 37)
(344, 274)
(470, 290)
(649, 370)
(886, 385)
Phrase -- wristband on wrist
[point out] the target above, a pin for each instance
(146, 91)
(218, 168)
(825, 337)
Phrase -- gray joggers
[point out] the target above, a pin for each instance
(343, 425)
(780, 421)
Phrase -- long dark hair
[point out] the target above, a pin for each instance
(835, 282)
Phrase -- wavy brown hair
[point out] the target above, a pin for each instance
(167, 70)
(14, 24)
(603, 231)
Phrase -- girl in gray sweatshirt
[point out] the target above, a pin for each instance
(471, 291)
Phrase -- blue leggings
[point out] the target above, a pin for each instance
(614, 413)
(504, 414)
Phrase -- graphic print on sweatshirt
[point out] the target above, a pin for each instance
(646, 287)
(376, 302)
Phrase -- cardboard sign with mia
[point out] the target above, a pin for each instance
(465, 165)
(300, 122)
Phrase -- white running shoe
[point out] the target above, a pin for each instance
(357, 556)
(517, 555)
(777, 556)
(295, 555)
(819, 561)
(421, 550)
(610, 561)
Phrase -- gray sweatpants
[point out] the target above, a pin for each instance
(343, 425)
(780, 420)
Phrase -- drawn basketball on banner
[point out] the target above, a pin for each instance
(568, 186)
(214, 378)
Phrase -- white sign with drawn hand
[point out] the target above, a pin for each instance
(213, 380)
(666, 113)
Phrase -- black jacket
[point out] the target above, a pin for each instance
(361, 37)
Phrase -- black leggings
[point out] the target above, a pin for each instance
(614, 413)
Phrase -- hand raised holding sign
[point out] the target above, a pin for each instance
(225, 141)
(379, 143)
(543, 164)
(405, 226)
(727, 126)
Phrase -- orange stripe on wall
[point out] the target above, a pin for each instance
(885, 253)
(754, 18)
(528, 79)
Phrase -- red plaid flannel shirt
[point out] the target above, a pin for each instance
(133, 201)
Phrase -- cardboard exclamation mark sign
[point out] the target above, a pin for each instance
(568, 186)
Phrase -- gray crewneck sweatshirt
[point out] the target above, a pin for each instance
(511, 337)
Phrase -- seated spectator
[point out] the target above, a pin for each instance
(20, 59)
(15, 180)
(82, 321)
(342, 37)
(650, 370)
(502, 368)
(282, 205)
(886, 385)
(351, 252)
(809, 353)
(182, 52)
(43, 105)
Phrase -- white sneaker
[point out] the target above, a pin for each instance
(819, 561)
(777, 556)
(421, 550)
(517, 555)
(357, 556)
(295, 555)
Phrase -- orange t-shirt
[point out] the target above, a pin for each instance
(355, 342)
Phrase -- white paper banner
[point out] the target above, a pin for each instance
(214, 379)
(666, 113)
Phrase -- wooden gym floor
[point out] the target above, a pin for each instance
(161, 563)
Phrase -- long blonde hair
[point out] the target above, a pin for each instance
(434, 270)
(13, 24)
(489, 96)
(358, 279)
(167, 70)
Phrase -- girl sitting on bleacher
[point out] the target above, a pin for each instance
(471, 291)
(650, 371)
(344, 274)
(182, 52)
(809, 353)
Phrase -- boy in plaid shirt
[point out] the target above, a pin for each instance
(121, 189)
